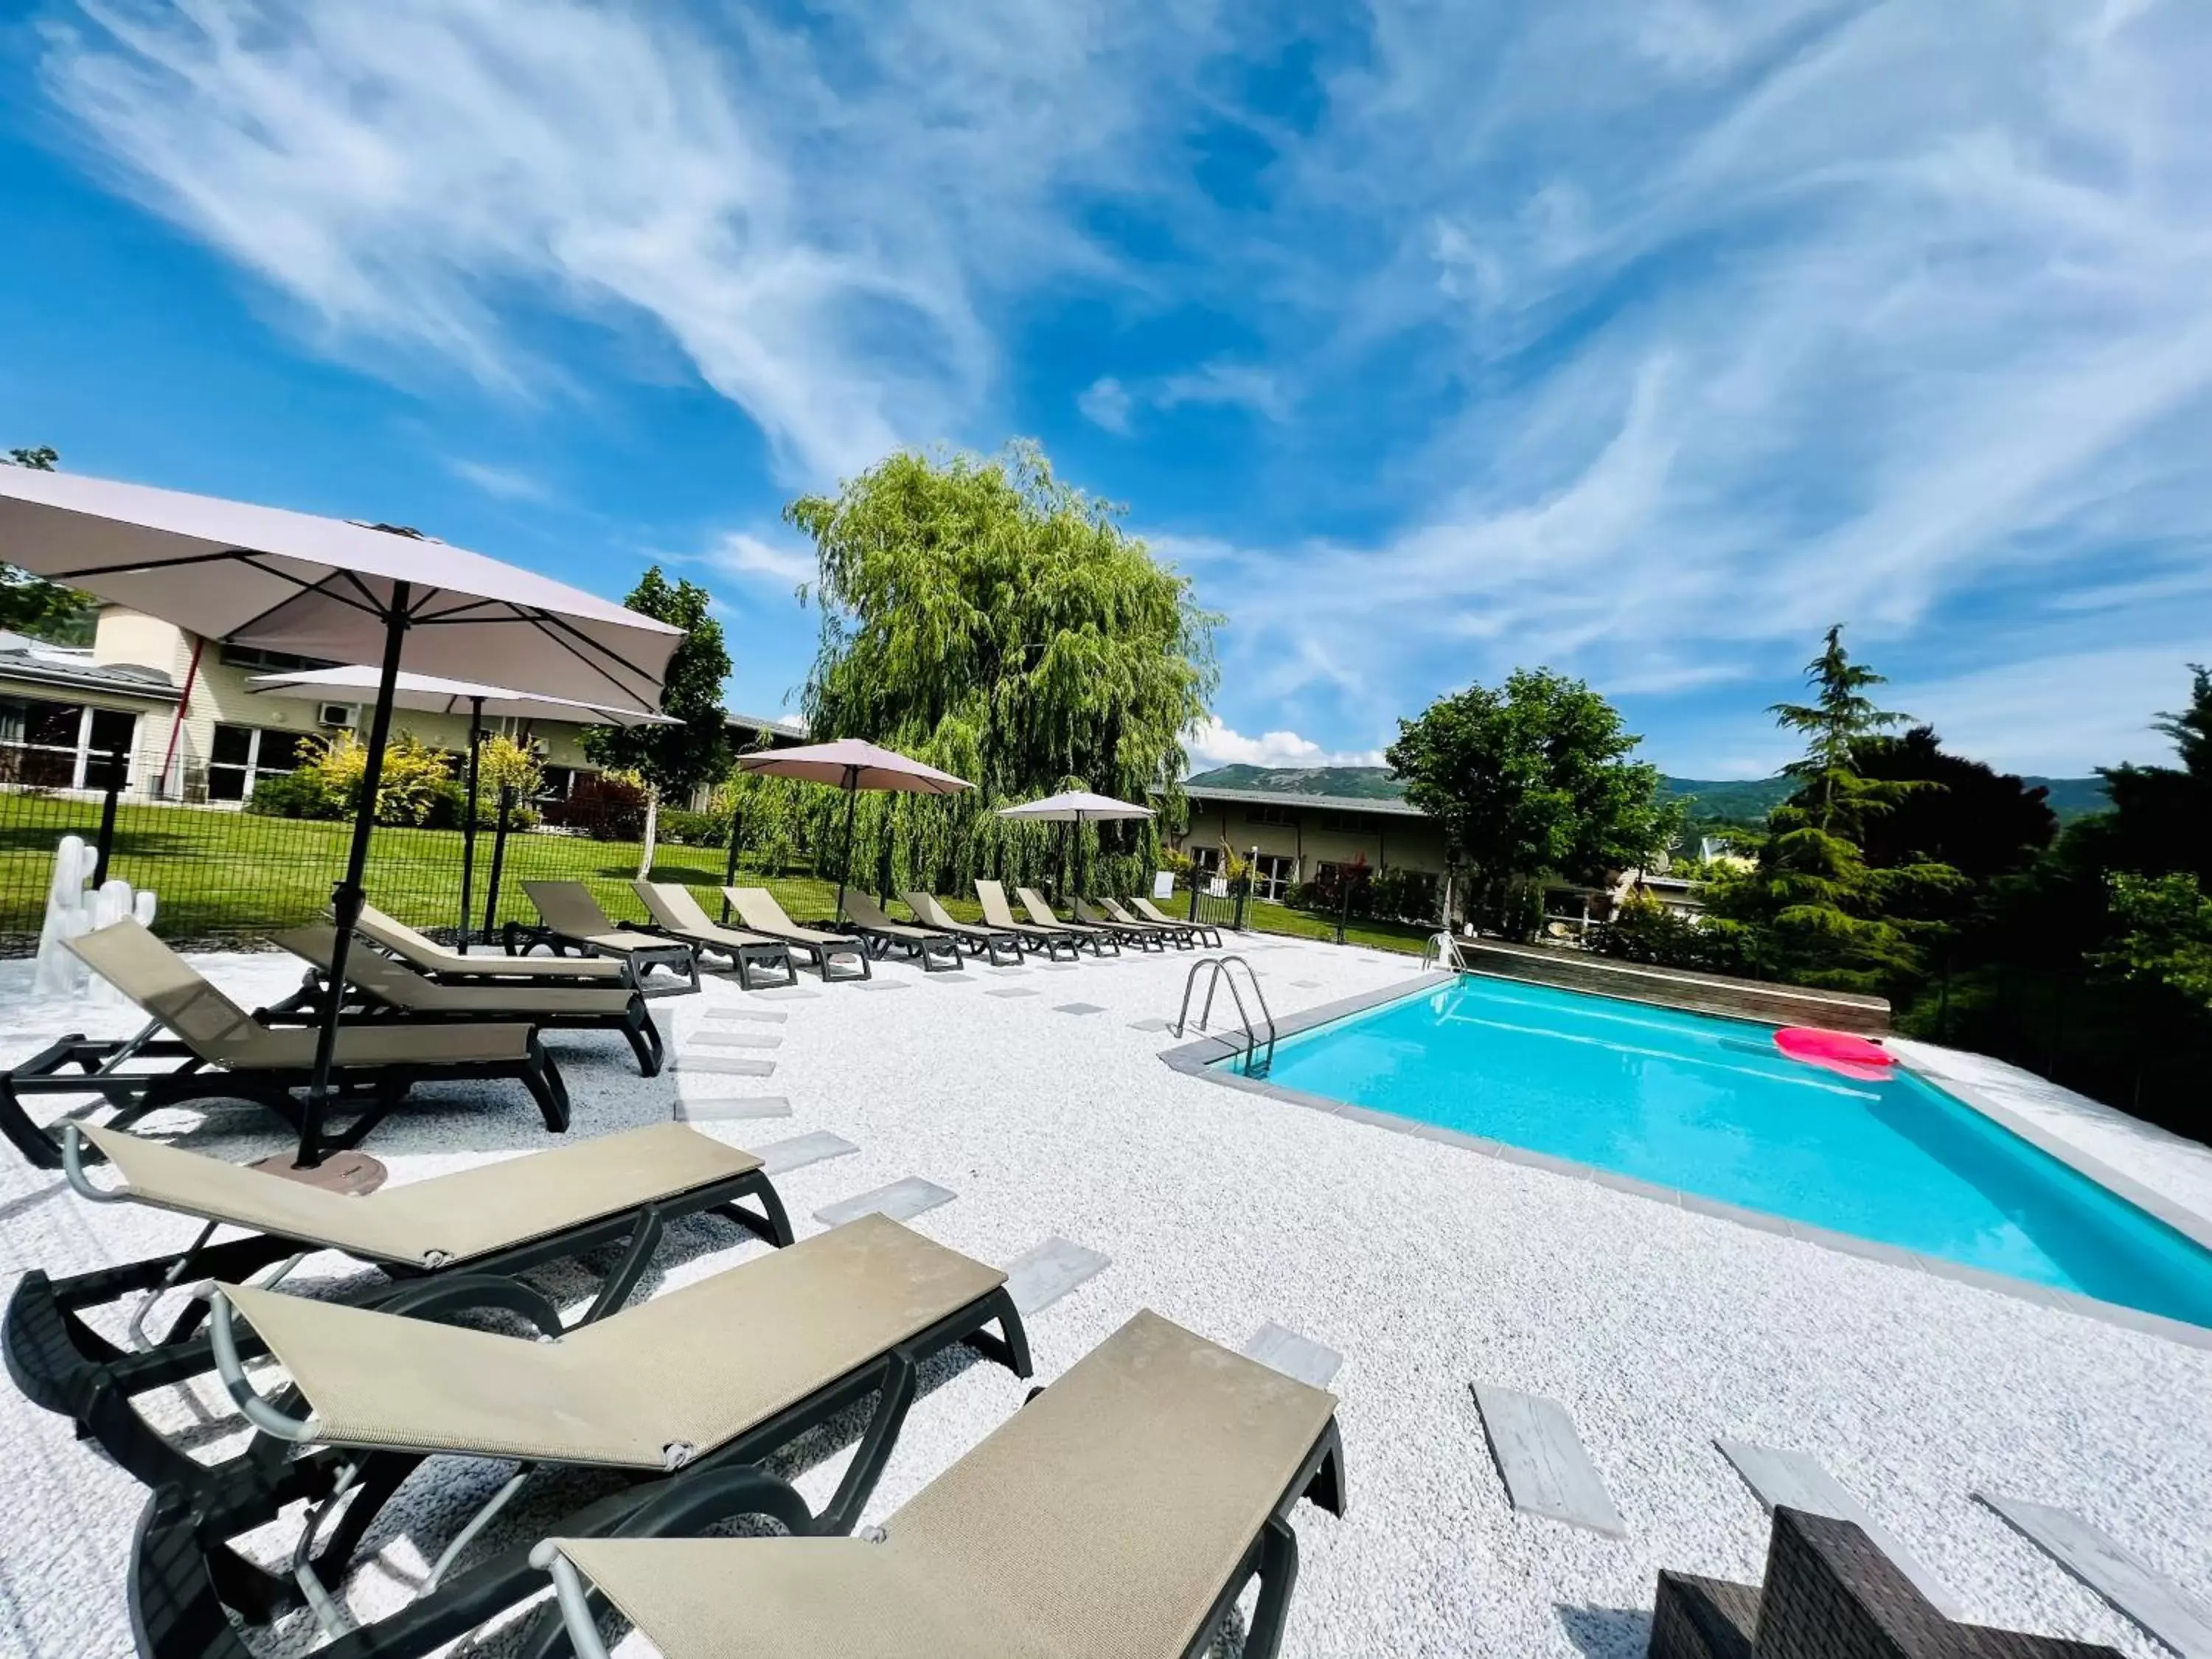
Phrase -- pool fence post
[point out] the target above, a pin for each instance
(105, 846)
(1343, 902)
(729, 864)
(498, 859)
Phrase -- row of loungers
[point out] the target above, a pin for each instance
(414, 1011)
(1122, 1511)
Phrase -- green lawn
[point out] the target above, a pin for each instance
(1404, 936)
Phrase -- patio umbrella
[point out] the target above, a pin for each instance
(429, 695)
(852, 765)
(343, 592)
(1074, 807)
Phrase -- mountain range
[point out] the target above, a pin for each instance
(1734, 800)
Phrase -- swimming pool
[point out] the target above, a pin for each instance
(1709, 1106)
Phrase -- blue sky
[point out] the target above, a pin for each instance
(1644, 341)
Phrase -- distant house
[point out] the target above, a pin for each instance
(167, 715)
(1293, 838)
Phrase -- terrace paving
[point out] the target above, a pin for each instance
(1658, 1328)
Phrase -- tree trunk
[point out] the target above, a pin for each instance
(652, 833)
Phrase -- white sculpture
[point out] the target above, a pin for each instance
(73, 912)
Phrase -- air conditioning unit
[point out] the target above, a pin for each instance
(344, 715)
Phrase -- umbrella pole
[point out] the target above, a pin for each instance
(845, 869)
(469, 818)
(346, 897)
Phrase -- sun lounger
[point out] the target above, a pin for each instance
(938, 951)
(1057, 939)
(575, 921)
(387, 989)
(757, 908)
(1042, 914)
(1143, 935)
(427, 956)
(1181, 934)
(1001, 947)
(1120, 1513)
(1207, 933)
(498, 1219)
(674, 1397)
(677, 914)
(226, 1054)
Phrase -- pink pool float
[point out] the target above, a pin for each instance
(1840, 1052)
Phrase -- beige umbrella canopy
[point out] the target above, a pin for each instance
(1075, 806)
(262, 576)
(852, 765)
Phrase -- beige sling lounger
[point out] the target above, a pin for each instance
(502, 1217)
(1042, 914)
(938, 951)
(677, 914)
(757, 908)
(225, 1052)
(390, 987)
(1057, 938)
(574, 920)
(1181, 934)
(1003, 947)
(433, 958)
(1151, 912)
(1117, 1515)
(1142, 934)
(684, 1394)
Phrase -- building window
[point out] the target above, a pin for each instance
(1349, 824)
(1281, 816)
(244, 755)
(560, 781)
(65, 746)
(1272, 875)
(254, 657)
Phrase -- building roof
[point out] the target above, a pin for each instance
(1381, 807)
(30, 662)
(781, 725)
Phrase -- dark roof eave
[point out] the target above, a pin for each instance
(43, 674)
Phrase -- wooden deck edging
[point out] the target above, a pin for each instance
(1673, 988)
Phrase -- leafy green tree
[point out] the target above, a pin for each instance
(2165, 934)
(674, 760)
(32, 606)
(986, 617)
(1981, 822)
(1532, 779)
(2161, 818)
(1823, 914)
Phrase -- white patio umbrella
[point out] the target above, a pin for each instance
(346, 592)
(430, 695)
(852, 765)
(1074, 807)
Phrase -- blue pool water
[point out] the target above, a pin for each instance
(1711, 1106)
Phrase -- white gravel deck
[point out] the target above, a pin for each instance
(1427, 1266)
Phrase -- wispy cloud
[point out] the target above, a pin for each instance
(741, 554)
(507, 483)
(1108, 401)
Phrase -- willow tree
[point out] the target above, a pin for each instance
(984, 617)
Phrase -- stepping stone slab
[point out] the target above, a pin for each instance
(1011, 991)
(2113, 1571)
(785, 992)
(730, 1110)
(1307, 984)
(1077, 1008)
(899, 1201)
(758, 1016)
(1542, 1461)
(1044, 1274)
(1295, 1356)
(884, 984)
(1155, 1023)
(736, 1039)
(780, 1157)
(1778, 1478)
(728, 1065)
(1062, 968)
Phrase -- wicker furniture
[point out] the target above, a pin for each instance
(1829, 1593)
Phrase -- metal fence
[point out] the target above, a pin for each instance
(220, 873)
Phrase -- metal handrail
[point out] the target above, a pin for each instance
(1221, 973)
(1442, 951)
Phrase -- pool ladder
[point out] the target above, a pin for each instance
(1255, 1065)
(1443, 951)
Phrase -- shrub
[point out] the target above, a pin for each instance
(1643, 930)
(409, 787)
(300, 794)
(688, 828)
(606, 807)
